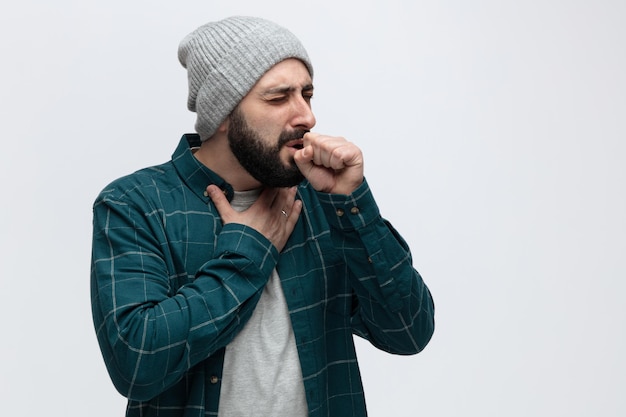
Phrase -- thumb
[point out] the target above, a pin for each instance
(221, 202)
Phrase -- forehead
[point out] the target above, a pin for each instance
(290, 72)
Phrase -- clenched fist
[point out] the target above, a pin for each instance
(331, 164)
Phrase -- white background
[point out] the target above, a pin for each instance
(494, 137)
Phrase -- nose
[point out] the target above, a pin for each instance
(303, 117)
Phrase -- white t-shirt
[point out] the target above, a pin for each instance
(262, 374)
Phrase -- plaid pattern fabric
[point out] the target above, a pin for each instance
(171, 287)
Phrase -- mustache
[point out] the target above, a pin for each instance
(289, 136)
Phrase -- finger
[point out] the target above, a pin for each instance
(291, 207)
(342, 156)
(220, 201)
(327, 151)
(304, 159)
(338, 153)
(284, 200)
(294, 214)
(309, 137)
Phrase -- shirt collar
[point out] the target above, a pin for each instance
(193, 173)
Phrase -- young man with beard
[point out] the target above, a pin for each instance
(229, 281)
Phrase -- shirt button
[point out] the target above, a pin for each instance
(354, 210)
(214, 379)
(206, 194)
(340, 212)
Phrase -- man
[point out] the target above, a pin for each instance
(230, 280)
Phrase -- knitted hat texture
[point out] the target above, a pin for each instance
(224, 60)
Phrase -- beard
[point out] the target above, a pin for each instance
(261, 160)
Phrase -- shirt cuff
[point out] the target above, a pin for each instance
(350, 212)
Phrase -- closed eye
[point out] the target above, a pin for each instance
(278, 99)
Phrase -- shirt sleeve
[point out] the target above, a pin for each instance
(149, 335)
(393, 307)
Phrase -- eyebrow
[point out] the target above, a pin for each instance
(284, 89)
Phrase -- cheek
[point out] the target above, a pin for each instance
(268, 134)
(267, 122)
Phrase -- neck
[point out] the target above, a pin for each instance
(216, 155)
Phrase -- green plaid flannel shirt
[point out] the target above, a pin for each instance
(171, 286)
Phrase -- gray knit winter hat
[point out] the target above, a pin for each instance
(225, 59)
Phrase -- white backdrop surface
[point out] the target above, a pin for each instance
(494, 138)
